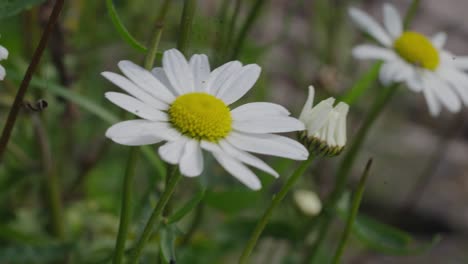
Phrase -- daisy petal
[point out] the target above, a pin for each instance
(439, 39)
(238, 170)
(2, 73)
(172, 151)
(239, 84)
(201, 71)
(394, 71)
(259, 109)
(140, 132)
(276, 124)
(3, 53)
(369, 25)
(414, 81)
(461, 62)
(247, 158)
(458, 80)
(268, 144)
(146, 81)
(445, 94)
(366, 52)
(392, 20)
(220, 75)
(432, 103)
(136, 107)
(159, 73)
(191, 162)
(133, 90)
(178, 71)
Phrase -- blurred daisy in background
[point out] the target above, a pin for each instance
(187, 105)
(418, 61)
(3, 56)
(325, 125)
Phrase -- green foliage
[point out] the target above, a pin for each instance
(13, 7)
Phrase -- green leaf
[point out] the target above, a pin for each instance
(232, 201)
(13, 7)
(168, 237)
(184, 210)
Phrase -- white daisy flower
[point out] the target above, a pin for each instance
(418, 61)
(325, 132)
(186, 105)
(3, 56)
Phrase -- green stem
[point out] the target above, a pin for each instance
(348, 161)
(251, 17)
(125, 213)
(186, 25)
(156, 215)
(231, 28)
(410, 13)
(352, 213)
(274, 203)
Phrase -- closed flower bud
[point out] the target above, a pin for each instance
(325, 124)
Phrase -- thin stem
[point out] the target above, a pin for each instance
(352, 213)
(14, 110)
(159, 26)
(410, 13)
(231, 28)
(348, 161)
(156, 215)
(186, 25)
(125, 212)
(251, 17)
(274, 203)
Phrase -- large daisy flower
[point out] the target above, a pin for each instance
(186, 105)
(418, 61)
(3, 56)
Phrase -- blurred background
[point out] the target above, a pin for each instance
(418, 184)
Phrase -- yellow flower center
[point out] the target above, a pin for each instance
(201, 116)
(417, 49)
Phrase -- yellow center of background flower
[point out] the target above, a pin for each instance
(201, 116)
(417, 49)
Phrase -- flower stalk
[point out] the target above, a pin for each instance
(274, 203)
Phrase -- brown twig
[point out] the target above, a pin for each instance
(14, 110)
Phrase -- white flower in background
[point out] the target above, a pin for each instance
(325, 132)
(3, 56)
(187, 105)
(308, 202)
(410, 57)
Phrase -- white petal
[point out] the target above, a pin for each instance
(369, 25)
(239, 84)
(178, 71)
(201, 71)
(145, 80)
(258, 109)
(317, 117)
(172, 151)
(392, 20)
(414, 81)
(2, 73)
(461, 62)
(220, 75)
(276, 124)
(3, 53)
(439, 39)
(458, 80)
(246, 158)
(444, 93)
(366, 52)
(268, 144)
(432, 103)
(340, 135)
(234, 167)
(308, 104)
(159, 73)
(136, 107)
(394, 71)
(133, 90)
(141, 132)
(191, 162)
